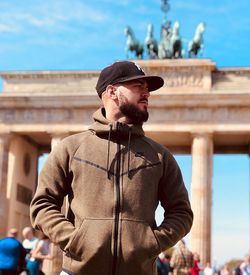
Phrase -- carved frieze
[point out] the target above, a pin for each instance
(184, 79)
(162, 115)
(201, 115)
(17, 116)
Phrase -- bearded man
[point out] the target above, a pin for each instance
(114, 177)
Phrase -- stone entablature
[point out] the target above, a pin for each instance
(231, 80)
(173, 108)
(186, 76)
(47, 82)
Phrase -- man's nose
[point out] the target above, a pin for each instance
(146, 93)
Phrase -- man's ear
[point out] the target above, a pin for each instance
(111, 91)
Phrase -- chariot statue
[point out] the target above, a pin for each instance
(164, 47)
(170, 45)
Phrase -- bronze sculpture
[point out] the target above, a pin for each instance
(170, 44)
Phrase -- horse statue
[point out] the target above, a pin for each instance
(176, 41)
(196, 43)
(132, 44)
(151, 43)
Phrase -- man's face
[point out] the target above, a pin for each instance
(133, 100)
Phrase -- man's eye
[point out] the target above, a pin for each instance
(139, 86)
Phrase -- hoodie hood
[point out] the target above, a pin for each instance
(102, 125)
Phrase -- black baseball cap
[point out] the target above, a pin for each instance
(123, 71)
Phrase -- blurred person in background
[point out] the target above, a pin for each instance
(195, 269)
(208, 270)
(182, 259)
(225, 270)
(12, 254)
(245, 266)
(42, 254)
(30, 243)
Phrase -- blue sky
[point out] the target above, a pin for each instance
(88, 35)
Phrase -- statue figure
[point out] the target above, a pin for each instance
(132, 44)
(176, 41)
(170, 45)
(151, 43)
(164, 47)
(196, 43)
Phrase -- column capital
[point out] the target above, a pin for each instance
(5, 138)
(205, 134)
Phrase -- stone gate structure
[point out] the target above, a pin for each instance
(201, 110)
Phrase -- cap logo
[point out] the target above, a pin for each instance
(139, 68)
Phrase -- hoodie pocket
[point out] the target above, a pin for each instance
(92, 242)
(139, 244)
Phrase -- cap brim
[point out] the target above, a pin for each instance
(154, 82)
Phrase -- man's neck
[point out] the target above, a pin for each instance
(117, 116)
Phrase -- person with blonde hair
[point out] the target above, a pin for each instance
(182, 259)
(30, 243)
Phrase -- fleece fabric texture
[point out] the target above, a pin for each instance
(114, 177)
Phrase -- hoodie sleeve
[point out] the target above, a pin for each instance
(53, 185)
(178, 216)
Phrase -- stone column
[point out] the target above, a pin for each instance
(201, 195)
(55, 266)
(4, 201)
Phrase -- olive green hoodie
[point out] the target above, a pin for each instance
(114, 177)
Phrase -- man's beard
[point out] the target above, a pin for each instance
(133, 113)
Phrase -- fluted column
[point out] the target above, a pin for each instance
(4, 201)
(201, 195)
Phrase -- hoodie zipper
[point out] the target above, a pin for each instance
(117, 201)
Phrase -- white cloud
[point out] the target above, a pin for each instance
(7, 28)
(56, 14)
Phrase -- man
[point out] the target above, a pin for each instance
(12, 254)
(114, 177)
(182, 259)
